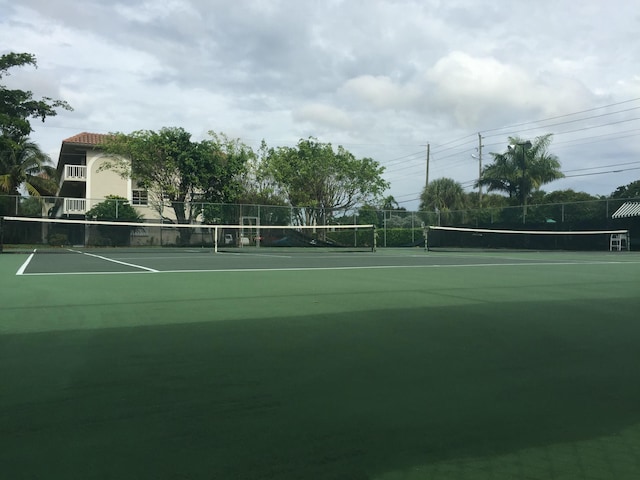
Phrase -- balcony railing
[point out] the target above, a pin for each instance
(74, 206)
(75, 173)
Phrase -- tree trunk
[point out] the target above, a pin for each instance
(184, 234)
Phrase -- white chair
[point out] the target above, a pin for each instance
(619, 242)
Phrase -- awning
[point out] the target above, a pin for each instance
(629, 209)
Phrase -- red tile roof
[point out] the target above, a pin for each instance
(86, 138)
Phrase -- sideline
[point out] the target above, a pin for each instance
(25, 264)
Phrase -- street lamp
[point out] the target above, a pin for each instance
(512, 148)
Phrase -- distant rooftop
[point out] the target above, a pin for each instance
(86, 138)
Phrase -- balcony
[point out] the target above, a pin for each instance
(74, 173)
(73, 181)
(74, 206)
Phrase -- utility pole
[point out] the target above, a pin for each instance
(479, 170)
(426, 183)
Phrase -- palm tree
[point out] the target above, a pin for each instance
(24, 165)
(441, 195)
(522, 169)
(390, 203)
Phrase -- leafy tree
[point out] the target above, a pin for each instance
(260, 189)
(494, 208)
(631, 190)
(22, 163)
(17, 107)
(397, 221)
(370, 215)
(565, 206)
(320, 180)
(380, 214)
(174, 168)
(32, 207)
(393, 215)
(25, 165)
(113, 209)
(522, 169)
(158, 161)
(221, 164)
(567, 196)
(494, 200)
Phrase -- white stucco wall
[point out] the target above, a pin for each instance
(102, 182)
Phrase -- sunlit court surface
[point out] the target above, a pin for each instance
(288, 364)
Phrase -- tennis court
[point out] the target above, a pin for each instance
(399, 364)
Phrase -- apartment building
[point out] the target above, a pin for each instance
(85, 181)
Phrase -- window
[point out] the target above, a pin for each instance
(139, 197)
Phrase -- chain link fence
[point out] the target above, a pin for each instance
(395, 228)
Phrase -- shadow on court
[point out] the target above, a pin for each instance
(326, 396)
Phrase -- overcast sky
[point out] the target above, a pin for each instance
(381, 78)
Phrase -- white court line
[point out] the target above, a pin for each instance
(267, 255)
(55, 274)
(116, 261)
(371, 267)
(121, 257)
(383, 267)
(25, 264)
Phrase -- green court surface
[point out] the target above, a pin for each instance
(393, 365)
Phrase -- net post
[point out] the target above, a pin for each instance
(374, 240)
(215, 239)
(426, 238)
(1, 233)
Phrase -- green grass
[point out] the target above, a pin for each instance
(441, 373)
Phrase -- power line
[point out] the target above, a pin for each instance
(454, 154)
(602, 173)
(450, 142)
(411, 200)
(602, 166)
(437, 148)
(404, 157)
(581, 141)
(561, 116)
(473, 141)
(576, 130)
(461, 146)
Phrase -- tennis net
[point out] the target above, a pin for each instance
(486, 239)
(23, 234)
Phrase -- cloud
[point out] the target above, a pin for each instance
(380, 92)
(381, 77)
(149, 11)
(323, 116)
(483, 91)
